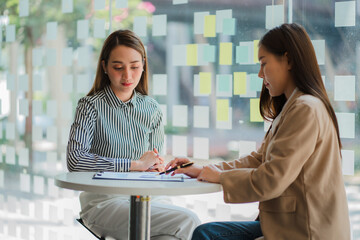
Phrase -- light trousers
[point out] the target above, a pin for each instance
(108, 215)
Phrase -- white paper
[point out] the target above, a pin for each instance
(274, 16)
(82, 29)
(140, 24)
(346, 123)
(25, 182)
(201, 116)
(51, 30)
(10, 131)
(319, 46)
(220, 16)
(10, 33)
(348, 162)
(10, 155)
(201, 148)
(159, 84)
(24, 157)
(344, 88)
(67, 83)
(67, 6)
(50, 57)
(67, 56)
(159, 25)
(99, 28)
(345, 14)
(51, 108)
(246, 147)
(180, 116)
(139, 176)
(24, 107)
(23, 8)
(179, 55)
(179, 146)
(199, 22)
(24, 82)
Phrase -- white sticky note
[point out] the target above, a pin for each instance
(83, 83)
(10, 155)
(163, 108)
(176, 2)
(25, 231)
(140, 24)
(201, 148)
(179, 55)
(10, 82)
(0, 115)
(66, 110)
(50, 57)
(23, 82)
(53, 191)
(99, 28)
(37, 82)
(25, 206)
(1, 35)
(51, 30)
(53, 213)
(39, 233)
(38, 185)
(180, 116)
(159, 25)
(12, 204)
(179, 146)
(37, 57)
(24, 107)
(37, 134)
(225, 124)
(344, 88)
(1, 181)
(37, 108)
(51, 108)
(67, 6)
(121, 3)
(10, 33)
(319, 46)
(159, 84)
(201, 116)
(24, 182)
(24, 157)
(39, 209)
(274, 16)
(83, 56)
(82, 29)
(23, 8)
(345, 14)
(51, 134)
(10, 131)
(246, 147)
(348, 160)
(65, 135)
(67, 56)
(199, 21)
(346, 123)
(220, 16)
(99, 4)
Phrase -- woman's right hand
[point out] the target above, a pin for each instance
(147, 160)
(192, 171)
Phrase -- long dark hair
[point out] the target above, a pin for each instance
(126, 38)
(294, 40)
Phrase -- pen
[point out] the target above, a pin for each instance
(177, 167)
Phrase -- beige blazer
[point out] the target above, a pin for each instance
(295, 175)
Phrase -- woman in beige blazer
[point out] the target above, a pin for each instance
(296, 173)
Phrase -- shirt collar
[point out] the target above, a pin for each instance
(115, 102)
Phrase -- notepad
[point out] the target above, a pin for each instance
(138, 176)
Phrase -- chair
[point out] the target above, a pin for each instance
(82, 223)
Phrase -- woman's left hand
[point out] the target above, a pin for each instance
(210, 173)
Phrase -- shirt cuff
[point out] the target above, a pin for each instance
(122, 165)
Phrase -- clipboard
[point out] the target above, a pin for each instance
(138, 176)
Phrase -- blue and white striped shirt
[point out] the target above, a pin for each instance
(107, 134)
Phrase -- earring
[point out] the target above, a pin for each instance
(106, 73)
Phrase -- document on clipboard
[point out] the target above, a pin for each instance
(138, 176)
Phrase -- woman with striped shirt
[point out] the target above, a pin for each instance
(117, 127)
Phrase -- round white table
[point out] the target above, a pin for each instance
(139, 192)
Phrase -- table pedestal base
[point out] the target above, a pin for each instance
(139, 227)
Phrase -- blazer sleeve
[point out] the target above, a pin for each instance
(288, 150)
(81, 135)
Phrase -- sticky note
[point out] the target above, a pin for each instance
(37, 108)
(23, 8)
(222, 110)
(25, 231)
(345, 14)
(24, 107)
(25, 209)
(246, 147)
(83, 83)
(348, 162)
(199, 22)
(242, 54)
(191, 54)
(256, 50)
(201, 148)
(220, 16)
(319, 46)
(274, 16)
(37, 82)
(10, 155)
(229, 26)
(200, 54)
(67, 83)
(239, 83)
(39, 209)
(225, 56)
(10, 82)
(255, 82)
(163, 108)
(24, 182)
(180, 116)
(179, 146)
(52, 189)
(10, 33)
(67, 6)
(176, 2)
(66, 110)
(50, 56)
(140, 26)
(201, 116)
(159, 84)
(51, 108)
(24, 157)
(205, 82)
(210, 26)
(51, 30)
(225, 124)
(10, 131)
(1, 184)
(53, 213)
(346, 123)
(179, 55)
(83, 56)
(0, 114)
(99, 4)
(209, 53)
(51, 134)
(82, 31)
(159, 25)
(99, 28)
(224, 85)
(37, 134)
(23, 82)
(37, 57)
(65, 135)
(38, 185)
(67, 55)
(255, 115)
(121, 3)
(344, 88)
(1, 35)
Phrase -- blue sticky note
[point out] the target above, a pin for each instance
(242, 54)
(67, 6)
(82, 29)
(99, 28)
(229, 25)
(209, 53)
(224, 85)
(10, 33)
(255, 82)
(67, 55)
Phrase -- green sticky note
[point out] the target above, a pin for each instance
(222, 110)
(229, 25)
(191, 54)
(210, 26)
(255, 82)
(225, 56)
(255, 115)
(209, 53)
(239, 83)
(205, 82)
(224, 84)
(242, 54)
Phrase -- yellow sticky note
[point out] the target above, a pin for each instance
(239, 83)
(255, 115)
(210, 26)
(205, 82)
(225, 56)
(256, 49)
(222, 110)
(191, 54)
